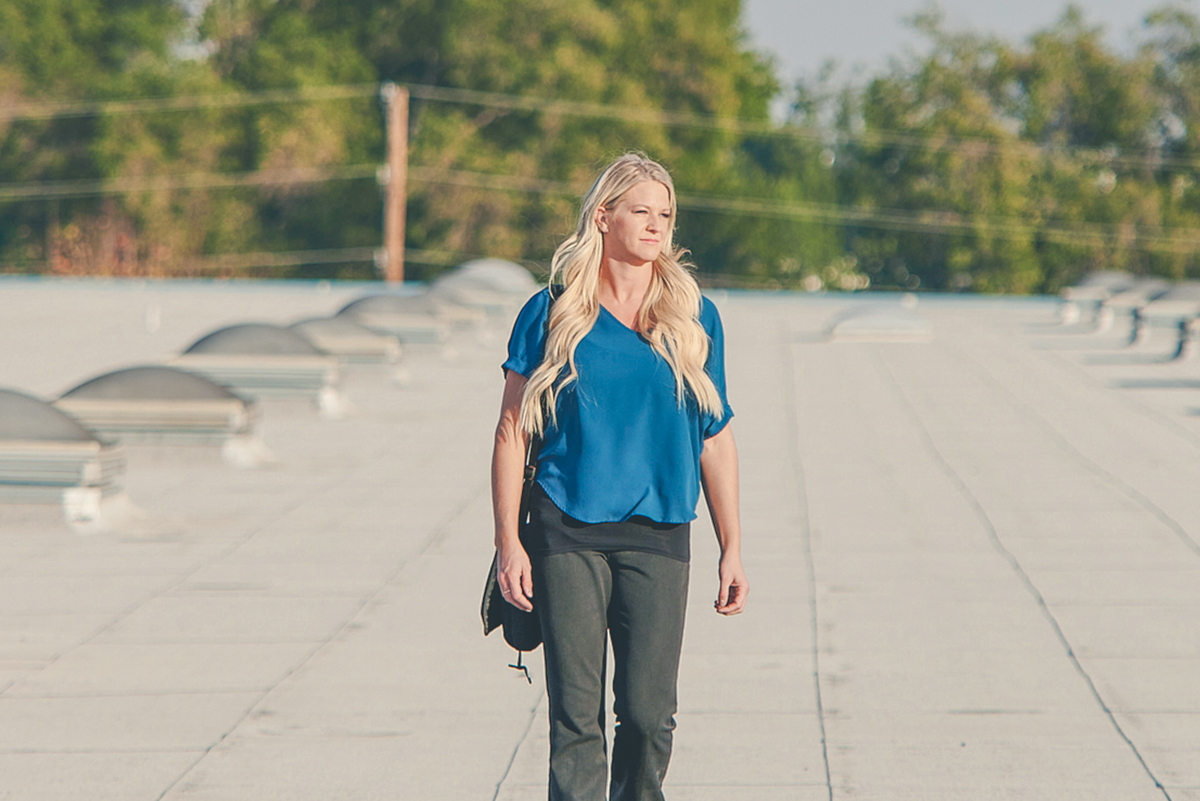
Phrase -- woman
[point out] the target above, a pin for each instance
(625, 381)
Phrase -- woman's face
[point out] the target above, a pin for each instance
(636, 225)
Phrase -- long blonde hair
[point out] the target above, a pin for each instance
(668, 317)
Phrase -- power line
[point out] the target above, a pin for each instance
(203, 180)
(1185, 241)
(288, 258)
(93, 108)
(980, 145)
(298, 258)
(977, 145)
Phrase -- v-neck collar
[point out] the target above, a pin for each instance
(617, 320)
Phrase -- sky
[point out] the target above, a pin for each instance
(803, 34)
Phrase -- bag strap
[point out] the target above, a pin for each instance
(531, 469)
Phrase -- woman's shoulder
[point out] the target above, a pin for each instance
(710, 318)
(535, 308)
(540, 299)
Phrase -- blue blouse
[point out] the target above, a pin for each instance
(623, 445)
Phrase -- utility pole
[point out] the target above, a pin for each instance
(394, 178)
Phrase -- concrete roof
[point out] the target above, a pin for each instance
(973, 562)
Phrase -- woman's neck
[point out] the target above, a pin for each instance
(623, 287)
(623, 284)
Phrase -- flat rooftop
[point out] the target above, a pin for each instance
(974, 566)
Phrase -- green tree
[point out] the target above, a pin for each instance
(71, 50)
(1173, 48)
(643, 54)
(1032, 164)
(938, 137)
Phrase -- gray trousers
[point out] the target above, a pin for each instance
(639, 599)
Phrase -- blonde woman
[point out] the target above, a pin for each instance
(626, 383)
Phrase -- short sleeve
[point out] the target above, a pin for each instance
(711, 424)
(527, 342)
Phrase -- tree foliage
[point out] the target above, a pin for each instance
(1036, 162)
(982, 164)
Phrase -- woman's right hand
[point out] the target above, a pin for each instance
(515, 575)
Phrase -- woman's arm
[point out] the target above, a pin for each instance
(719, 476)
(513, 571)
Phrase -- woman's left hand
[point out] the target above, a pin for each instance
(734, 587)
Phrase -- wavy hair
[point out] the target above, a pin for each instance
(669, 316)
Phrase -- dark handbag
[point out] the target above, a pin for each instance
(522, 630)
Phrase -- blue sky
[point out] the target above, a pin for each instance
(805, 33)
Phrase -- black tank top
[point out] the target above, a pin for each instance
(551, 530)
